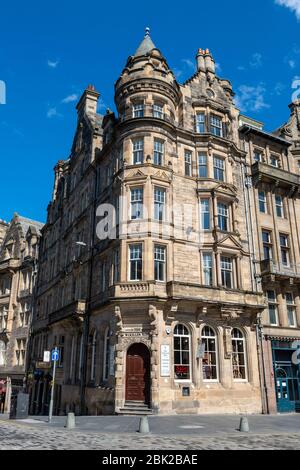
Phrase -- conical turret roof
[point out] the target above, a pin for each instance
(146, 45)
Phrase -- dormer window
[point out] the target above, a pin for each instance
(216, 126)
(138, 110)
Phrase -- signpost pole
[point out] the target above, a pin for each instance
(54, 359)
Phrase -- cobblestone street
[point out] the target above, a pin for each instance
(16, 435)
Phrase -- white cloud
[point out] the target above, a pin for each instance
(279, 88)
(53, 64)
(292, 63)
(52, 112)
(251, 98)
(256, 60)
(293, 5)
(190, 63)
(70, 98)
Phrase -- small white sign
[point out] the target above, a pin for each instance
(46, 356)
(165, 360)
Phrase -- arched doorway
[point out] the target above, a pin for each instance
(138, 374)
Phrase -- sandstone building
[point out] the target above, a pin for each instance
(158, 305)
(18, 264)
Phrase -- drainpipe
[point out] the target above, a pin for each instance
(86, 323)
(261, 366)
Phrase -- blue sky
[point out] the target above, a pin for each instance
(50, 52)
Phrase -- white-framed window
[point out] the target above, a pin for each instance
(3, 317)
(239, 358)
(272, 308)
(158, 111)
(223, 216)
(205, 214)
(2, 353)
(219, 168)
(20, 351)
(291, 309)
(207, 261)
(136, 203)
(202, 165)
(188, 163)
(159, 203)
(262, 200)
(210, 357)
(267, 244)
(279, 206)
(138, 109)
(158, 152)
(106, 354)
(284, 249)
(138, 151)
(159, 263)
(227, 271)
(135, 262)
(182, 353)
(257, 156)
(93, 355)
(274, 161)
(216, 125)
(200, 123)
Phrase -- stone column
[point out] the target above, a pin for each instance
(282, 315)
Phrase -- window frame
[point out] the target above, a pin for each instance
(138, 151)
(189, 336)
(136, 260)
(161, 262)
(217, 365)
(243, 339)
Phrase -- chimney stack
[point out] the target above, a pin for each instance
(205, 62)
(88, 101)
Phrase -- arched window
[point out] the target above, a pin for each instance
(2, 353)
(93, 361)
(182, 354)
(239, 361)
(210, 356)
(106, 354)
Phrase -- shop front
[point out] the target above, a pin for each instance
(286, 365)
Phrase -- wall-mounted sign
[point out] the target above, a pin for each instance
(46, 356)
(165, 360)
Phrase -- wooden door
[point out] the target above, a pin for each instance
(138, 374)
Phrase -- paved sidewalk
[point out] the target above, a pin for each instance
(166, 433)
(204, 425)
(20, 436)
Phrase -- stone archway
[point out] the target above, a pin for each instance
(138, 374)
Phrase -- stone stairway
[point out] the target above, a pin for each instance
(135, 408)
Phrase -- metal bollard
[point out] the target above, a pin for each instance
(244, 425)
(144, 425)
(70, 423)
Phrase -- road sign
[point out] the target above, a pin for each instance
(55, 355)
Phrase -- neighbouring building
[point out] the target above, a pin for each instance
(275, 203)
(153, 279)
(18, 264)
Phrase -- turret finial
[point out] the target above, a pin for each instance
(147, 31)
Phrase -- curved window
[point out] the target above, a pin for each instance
(182, 355)
(210, 356)
(239, 367)
(106, 354)
(2, 353)
(93, 361)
